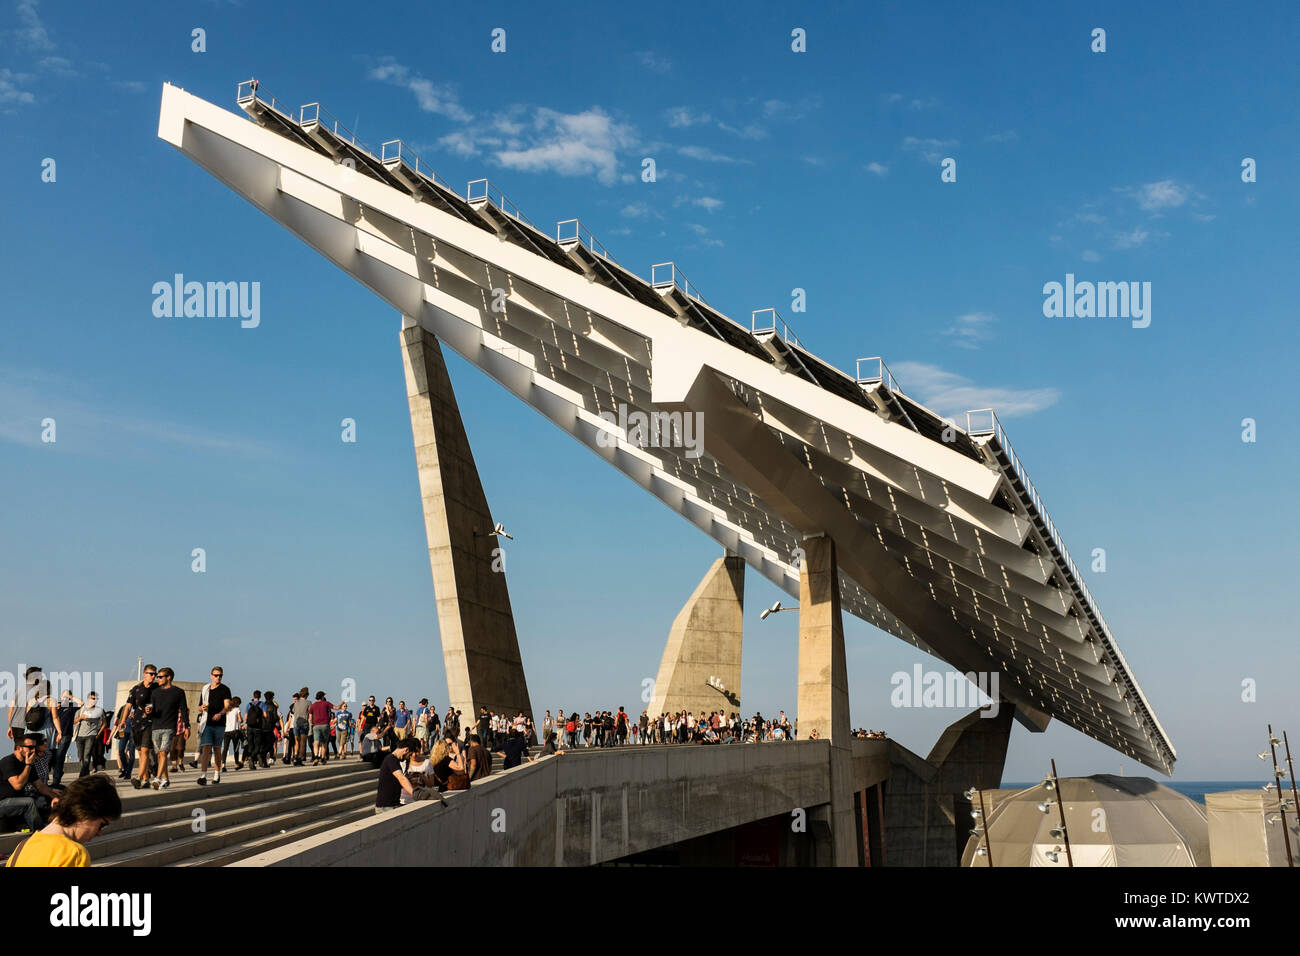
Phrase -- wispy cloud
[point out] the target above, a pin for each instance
(440, 99)
(683, 117)
(915, 103)
(707, 203)
(931, 150)
(12, 92)
(1005, 136)
(31, 30)
(880, 169)
(654, 62)
(706, 155)
(91, 426)
(570, 144)
(1166, 194)
(1132, 239)
(971, 330)
(952, 395)
(786, 111)
(703, 233)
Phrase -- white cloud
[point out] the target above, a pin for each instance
(32, 31)
(784, 110)
(878, 168)
(1165, 194)
(1131, 240)
(1090, 256)
(1005, 136)
(952, 395)
(971, 329)
(654, 63)
(460, 142)
(440, 99)
(11, 89)
(704, 154)
(684, 117)
(750, 131)
(635, 210)
(931, 150)
(58, 65)
(707, 203)
(570, 144)
(87, 425)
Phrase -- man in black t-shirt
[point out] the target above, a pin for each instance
(369, 717)
(391, 779)
(17, 774)
(214, 705)
(140, 701)
(169, 712)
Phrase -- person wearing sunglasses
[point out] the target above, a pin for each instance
(85, 811)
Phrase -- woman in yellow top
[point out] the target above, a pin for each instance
(88, 806)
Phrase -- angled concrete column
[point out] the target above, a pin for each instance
(479, 647)
(824, 686)
(704, 642)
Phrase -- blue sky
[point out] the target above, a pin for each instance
(776, 170)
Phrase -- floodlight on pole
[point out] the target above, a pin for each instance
(775, 609)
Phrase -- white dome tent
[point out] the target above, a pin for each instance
(1111, 821)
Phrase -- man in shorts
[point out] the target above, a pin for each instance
(140, 701)
(319, 712)
(168, 711)
(214, 704)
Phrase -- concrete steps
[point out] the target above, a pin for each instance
(249, 812)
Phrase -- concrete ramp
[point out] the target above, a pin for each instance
(581, 809)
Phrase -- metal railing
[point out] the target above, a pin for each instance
(571, 231)
(313, 114)
(666, 275)
(481, 190)
(772, 323)
(877, 371)
(251, 90)
(395, 151)
(986, 423)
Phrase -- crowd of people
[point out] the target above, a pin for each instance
(420, 753)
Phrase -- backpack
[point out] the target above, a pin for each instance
(36, 716)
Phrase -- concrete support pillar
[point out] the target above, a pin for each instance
(479, 647)
(824, 685)
(705, 642)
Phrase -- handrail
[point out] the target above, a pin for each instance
(251, 91)
(488, 193)
(313, 114)
(675, 279)
(571, 231)
(993, 428)
(883, 374)
(395, 151)
(777, 321)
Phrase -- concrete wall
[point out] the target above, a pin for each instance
(585, 808)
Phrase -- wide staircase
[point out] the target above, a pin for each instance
(248, 812)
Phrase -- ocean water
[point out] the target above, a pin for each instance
(1195, 789)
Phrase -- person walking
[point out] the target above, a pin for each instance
(301, 714)
(343, 728)
(214, 704)
(235, 737)
(64, 715)
(169, 712)
(140, 698)
(89, 724)
(319, 712)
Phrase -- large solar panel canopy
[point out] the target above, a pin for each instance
(941, 538)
